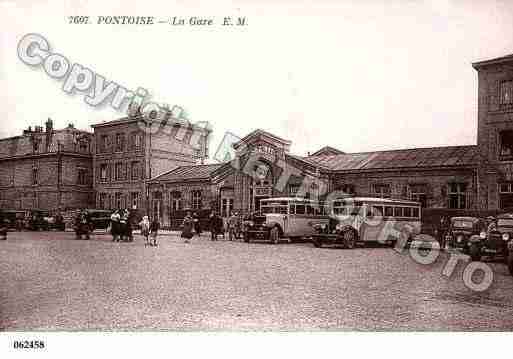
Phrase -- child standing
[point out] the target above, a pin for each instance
(145, 229)
(154, 229)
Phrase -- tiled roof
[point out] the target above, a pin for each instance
(193, 172)
(409, 158)
(327, 150)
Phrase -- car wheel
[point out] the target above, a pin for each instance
(474, 252)
(246, 237)
(510, 263)
(349, 238)
(317, 243)
(275, 235)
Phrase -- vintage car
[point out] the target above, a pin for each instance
(15, 219)
(334, 233)
(461, 229)
(38, 220)
(3, 227)
(495, 243)
(99, 218)
(254, 227)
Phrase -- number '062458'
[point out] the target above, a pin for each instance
(29, 344)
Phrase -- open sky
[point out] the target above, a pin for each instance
(356, 75)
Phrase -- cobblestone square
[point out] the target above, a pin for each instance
(49, 281)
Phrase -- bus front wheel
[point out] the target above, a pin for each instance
(275, 235)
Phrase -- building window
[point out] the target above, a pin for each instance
(119, 173)
(418, 193)
(134, 199)
(35, 176)
(196, 199)
(506, 93)
(103, 201)
(293, 189)
(176, 201)
(104, 143)
(120, 142)
(506, 195)
(82, 176)
(134, 171)
(83, 147)
(118, 200)
(457, 195)
(103, 173)
(381, 190)
(506, 145)
(36, 145)
(345, 188)
(137, 141)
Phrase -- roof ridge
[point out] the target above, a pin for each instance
(396, 150)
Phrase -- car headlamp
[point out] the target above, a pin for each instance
(459, 239)
(505, 236)
(482, 235)
(338, 227)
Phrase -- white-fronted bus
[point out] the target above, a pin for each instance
(368, 219)
(284, 218)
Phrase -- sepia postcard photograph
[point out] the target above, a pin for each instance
(305, 170)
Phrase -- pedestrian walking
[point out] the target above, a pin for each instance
(216, 225)
(145, 230)
(197, 224)
(232, 225)
(114, 225)
(154, 230)
(123, 225)
(187, 227)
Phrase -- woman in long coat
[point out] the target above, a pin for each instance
(188, 227)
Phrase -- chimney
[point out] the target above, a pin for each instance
(49, 125)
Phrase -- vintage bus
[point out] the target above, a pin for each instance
(367, 219)
(284, 218)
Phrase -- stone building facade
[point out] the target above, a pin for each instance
(46, 168)
(131, 150)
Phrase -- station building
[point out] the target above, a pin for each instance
(454, 177)
(122, 165)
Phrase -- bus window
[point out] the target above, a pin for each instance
(415, 212)
(377, 211)
(389, 211)
(267, 209)
(281, 210)
(300, 209)
(310, 210)
(398, 211)
(407, 211)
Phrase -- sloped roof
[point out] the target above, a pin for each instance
(495, 61)
(327, 150)
(408, 158)
(259, 132)
(193, 172)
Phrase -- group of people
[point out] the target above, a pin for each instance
(122, 225)
(191, 226)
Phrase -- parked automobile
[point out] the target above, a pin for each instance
(99, 218)
(461, 229)
(38, 220)
(495, 243)
(3, 227)
(15, 219)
